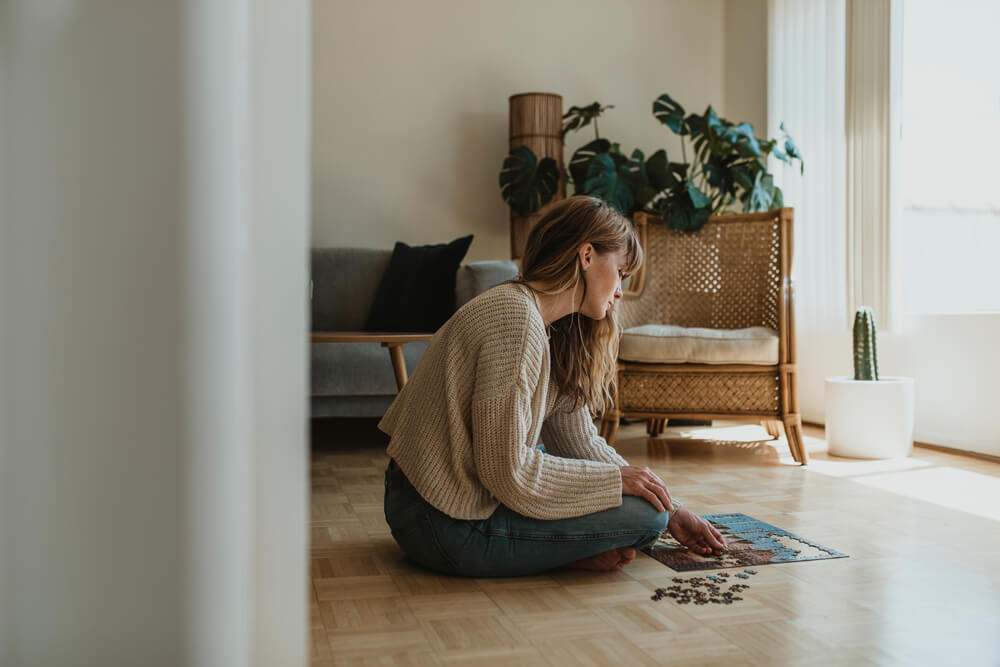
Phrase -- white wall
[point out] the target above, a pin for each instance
(154, 500)
(746, 63)
(410, 101)
(6, 293)
(954, 360)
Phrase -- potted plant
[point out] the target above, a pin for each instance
(868, 416)
(727, 170)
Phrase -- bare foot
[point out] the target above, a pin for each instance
(627, 555)
(613, 559)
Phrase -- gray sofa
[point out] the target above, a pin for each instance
(356, 379)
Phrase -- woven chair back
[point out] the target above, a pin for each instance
(726, 275)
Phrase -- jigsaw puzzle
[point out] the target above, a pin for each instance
(751, 542)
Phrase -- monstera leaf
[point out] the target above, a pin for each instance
(526, 184)
(670, 113)
(578, 117)
(662, 173)
(724, 164)
(719, 174)
(642, 189)
(763, 194)
(719, 138)
(686, 208)
(609, 179)
(580, 163)
(744, 141)
(791, 151)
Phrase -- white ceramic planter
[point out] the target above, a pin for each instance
(869, 419)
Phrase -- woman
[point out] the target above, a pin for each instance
(467, 490)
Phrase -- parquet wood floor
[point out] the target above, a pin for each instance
(922, 585)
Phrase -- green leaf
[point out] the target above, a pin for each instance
(580, 162)
(698, 198)
(642, 188)
(578, 117)
(792, 150)
(637, 170)
(526, 184)
(717, 172)
(686, 207)
(637, 165)
(761, 195)
(660, 177)
(743, 140)
(670, 113)
(643, 195)
(609, 180)
(743, 175)
(713, 122)
(679, 170)
(696, 124)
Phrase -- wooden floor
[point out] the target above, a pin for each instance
(921, 586)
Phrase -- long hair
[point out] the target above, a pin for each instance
(583, 351)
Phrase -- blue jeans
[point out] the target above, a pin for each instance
(508, 544)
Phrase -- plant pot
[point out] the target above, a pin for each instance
(868, 419)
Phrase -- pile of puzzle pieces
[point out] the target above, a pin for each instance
(712, 591)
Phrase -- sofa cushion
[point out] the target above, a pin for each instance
(668, 344)
(417, 292)
(476, 277)
(344, 284)
(357, 369)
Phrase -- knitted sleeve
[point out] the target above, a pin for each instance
(505, 407)
(572, 434)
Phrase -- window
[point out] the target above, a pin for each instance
(951, 157)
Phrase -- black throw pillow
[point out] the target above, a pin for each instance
(417, 292)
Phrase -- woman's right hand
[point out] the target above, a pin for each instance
(645, 483)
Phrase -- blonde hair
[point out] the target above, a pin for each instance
(583, 351)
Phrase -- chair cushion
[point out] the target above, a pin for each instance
(668, 344)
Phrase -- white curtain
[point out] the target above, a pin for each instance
(872, 127)
(805, 90)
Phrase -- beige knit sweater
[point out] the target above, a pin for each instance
(463, 429)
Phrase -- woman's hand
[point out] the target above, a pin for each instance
(695, 533)
(644, 482)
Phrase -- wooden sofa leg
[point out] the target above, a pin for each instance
(655, 426)
(793, 430)
(773, 427)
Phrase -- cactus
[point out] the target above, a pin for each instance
(865, 345)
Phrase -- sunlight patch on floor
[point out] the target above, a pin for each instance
(945, 486)
(961, 490)
(843, 467)
(942, 485)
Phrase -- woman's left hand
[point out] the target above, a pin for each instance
(695, 533)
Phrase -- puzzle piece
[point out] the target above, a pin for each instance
(702, 590)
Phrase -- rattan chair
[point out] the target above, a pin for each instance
(732, 274)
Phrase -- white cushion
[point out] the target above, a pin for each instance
(668, 344)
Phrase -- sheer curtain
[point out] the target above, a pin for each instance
(805, 90)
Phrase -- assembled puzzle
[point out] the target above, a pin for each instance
(751, 542)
